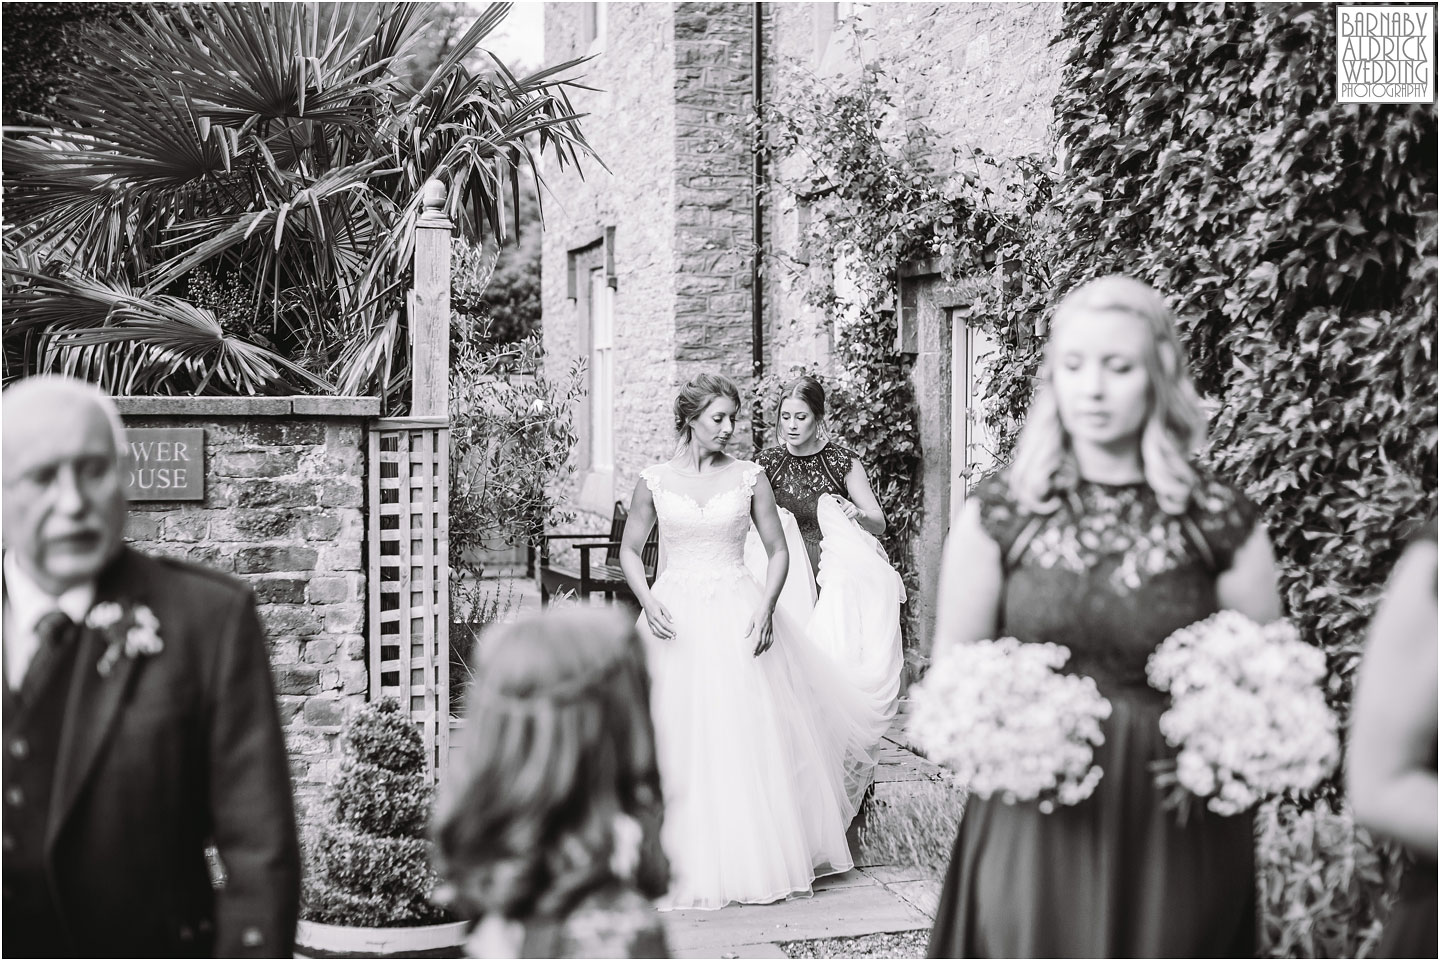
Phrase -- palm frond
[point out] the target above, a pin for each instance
(76, 317)
(282, 148)
(489, 19)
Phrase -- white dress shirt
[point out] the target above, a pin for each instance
(26, 603)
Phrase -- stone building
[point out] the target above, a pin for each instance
(649, 267)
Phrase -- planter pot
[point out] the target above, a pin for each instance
(316, 940)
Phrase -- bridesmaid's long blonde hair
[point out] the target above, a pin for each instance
(1044, 464)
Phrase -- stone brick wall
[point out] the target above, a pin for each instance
(674, 79)
(283, 510)
(713, 191)
(987, 71)
(631, 125)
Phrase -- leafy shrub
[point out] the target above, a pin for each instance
(382, 736)
(372, 866)
(511, 434)
(1321, 883)
(369, 859)
(379, 801)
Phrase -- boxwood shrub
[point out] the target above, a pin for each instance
(368, 859)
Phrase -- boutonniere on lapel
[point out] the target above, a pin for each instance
(130, 630)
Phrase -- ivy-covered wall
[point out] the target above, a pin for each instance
(1296, 237)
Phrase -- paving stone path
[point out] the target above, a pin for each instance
(870, 899)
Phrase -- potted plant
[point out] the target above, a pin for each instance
(369, 877)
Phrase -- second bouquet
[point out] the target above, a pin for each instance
(1247, 714)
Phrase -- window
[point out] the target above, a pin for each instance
(602, 371)
(826, 16)
(972, 448)
(592, 26)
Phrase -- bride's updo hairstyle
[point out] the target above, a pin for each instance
(558, 791)
(1044, 467)
(697, 395)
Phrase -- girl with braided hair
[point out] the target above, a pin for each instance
(550, 834)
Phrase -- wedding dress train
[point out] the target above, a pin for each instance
(856, 617)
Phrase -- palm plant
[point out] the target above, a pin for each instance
(276, 149)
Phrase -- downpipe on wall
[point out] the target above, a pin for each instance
(757, 182)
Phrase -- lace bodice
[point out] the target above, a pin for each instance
(1108, 573)
(799, 480)
(703, 518)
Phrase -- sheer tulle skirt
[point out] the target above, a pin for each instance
(856, 617)
(764, 759)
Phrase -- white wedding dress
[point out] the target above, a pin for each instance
(856, 616)
(763, 760)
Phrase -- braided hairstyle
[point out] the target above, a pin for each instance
(559, 765)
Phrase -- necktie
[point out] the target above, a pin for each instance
(54, 631)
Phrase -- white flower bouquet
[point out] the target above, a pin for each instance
(1247, 713)
(999, 715)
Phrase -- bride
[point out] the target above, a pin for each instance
(764, 749)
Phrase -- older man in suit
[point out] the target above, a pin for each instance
(139, 718)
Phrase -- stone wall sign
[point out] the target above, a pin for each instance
(166, 464)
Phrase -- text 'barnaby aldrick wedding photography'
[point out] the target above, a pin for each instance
(1385, 54)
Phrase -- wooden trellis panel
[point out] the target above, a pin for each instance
(409, 548)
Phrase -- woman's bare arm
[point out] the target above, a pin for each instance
(971, 582)
(1390, 771)
(637, 530)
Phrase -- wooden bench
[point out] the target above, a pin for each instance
(590, 578)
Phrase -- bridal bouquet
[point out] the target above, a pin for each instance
(1247, 713)
(1000, 716)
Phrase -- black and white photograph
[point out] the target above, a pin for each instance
(719, 479)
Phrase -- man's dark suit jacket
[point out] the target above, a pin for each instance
(166, 753)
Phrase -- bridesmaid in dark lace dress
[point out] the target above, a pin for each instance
(807, 465)
(1391, 761)
(1102, 537)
